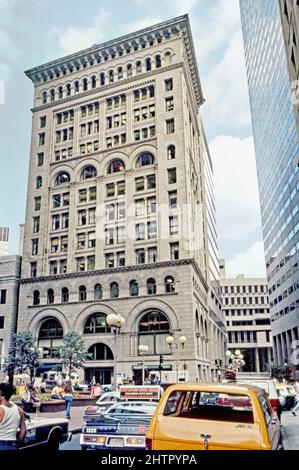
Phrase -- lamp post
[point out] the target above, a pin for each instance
(171, 342)
(116, 322)
(236, 360)
(143, 349)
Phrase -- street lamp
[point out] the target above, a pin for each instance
(236, 360)
(143, 349)
(171, 342)
(116, 322)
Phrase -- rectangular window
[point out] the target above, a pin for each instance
(40, 159)
(140, 256)
(174, 251)
(169, 104)
(170, 126)
(121, 188)
(65, 220)
(151, 205)
(64, 244)
(151, 181)
(34, 247)
(110, 190)
(33, 269)
(55, 222)
(81, 241)
(173, 199)
(54, 245)
(36, 222)
(109, 257)
(110, 236)
(139, 183)
(121, 260)
(62, 266)
(93, 194)
(91, 262)
(121, 210)
(82, 195)
(140, 231)
(136, 115)
(43, 121)
(152, 255)
(91, 240)
(80, 264)
(1, 324)
(152, 111)
(41, 138)
(82, 217)
(152, 229)
(37, 203)
(66, 199)
(121, 234)
(92, 216)
(169, 84)
(172, 176)
(173, 225)
(3, 296)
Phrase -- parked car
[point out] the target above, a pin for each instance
(47, 433)
(266, 383)
(123, 425)
(104, 402)
(240, 418)
(287, 396)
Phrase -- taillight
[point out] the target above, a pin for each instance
(275, 403)
(149, 444)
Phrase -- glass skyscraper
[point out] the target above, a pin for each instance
(277, 150)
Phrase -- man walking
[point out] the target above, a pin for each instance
(12, 420)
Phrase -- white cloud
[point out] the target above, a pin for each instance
(251, 263)
(236, 189)
(225, 88)
(74, 39)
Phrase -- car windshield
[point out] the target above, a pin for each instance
(263, 385)
(210, 406)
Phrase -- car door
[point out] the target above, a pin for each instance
(272, 424)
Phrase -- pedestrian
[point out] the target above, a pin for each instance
(97, 391)
(296, 407)
(34, 400)
(92, 386)
(12, 420)
(68, 398)
(43, 386)
(56, 393)
(26, 399)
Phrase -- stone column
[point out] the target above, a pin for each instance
(257, 360)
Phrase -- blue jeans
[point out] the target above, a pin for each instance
(68, 403)
(296, 407)
(8, 445)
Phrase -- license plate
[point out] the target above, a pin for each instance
(116, 442)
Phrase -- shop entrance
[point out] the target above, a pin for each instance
(103, 375)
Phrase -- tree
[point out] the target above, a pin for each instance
(281, 372)
(73, 353)
(23, 355)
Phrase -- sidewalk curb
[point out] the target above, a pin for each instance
(284, 439)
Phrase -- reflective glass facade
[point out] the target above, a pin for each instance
(277, 149)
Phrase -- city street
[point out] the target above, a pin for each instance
(73, 444)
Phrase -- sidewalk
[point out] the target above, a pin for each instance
(76, 421)
(290, 431)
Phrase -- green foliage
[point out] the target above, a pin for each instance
(73, 353)
(23, 356)
(281, 372)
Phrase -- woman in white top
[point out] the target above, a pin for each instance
(12, 420)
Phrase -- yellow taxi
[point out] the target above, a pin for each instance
(214, 417)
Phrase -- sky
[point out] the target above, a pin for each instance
(33, 32)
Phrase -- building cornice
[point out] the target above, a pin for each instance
(130, 43)
(125, 269)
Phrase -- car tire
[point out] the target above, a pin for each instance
(54, 442)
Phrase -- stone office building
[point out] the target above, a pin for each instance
(10, 268)
(115, 219)
(245, 304)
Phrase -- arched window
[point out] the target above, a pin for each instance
(65, 295)
(145, 159)
(100, 352)
(116, 166)
(169, 285)
(88, 172)
(50, 296)
(151, 286)
(102, 79)
(93, 81)
(52, 95)
(68, 89)
(158, 61)
(50, 338)
(85, 84)
(36, 297)
(168, 58)
(114, 290)
(148, 64)
(134, 288)
(129, 70)
(96, 324)
(98, 292)
(111, 76)
(62, 178)
(153, 330)
(82, 294)
(120, 73)
(45, 97)
(60, 92)
(171, 152)
(77, 87)
(138, 66)
(39, 182)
